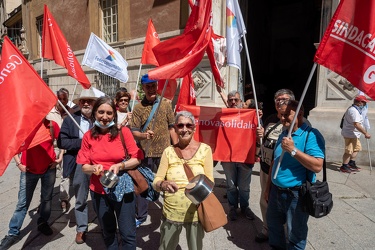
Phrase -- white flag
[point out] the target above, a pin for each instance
(236, 29)
(103, 58)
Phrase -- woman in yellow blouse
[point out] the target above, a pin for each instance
(178, 210)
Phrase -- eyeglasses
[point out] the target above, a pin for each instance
(187, 125)
(83, 101)
(282, 101)
(123, 100)
(234, 99)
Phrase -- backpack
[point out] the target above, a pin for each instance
(342, 121)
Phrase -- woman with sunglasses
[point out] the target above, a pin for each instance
(178, 211)
(122, 102)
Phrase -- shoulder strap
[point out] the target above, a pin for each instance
(51, 130)
(187, 168)
(272, 128)
(123, 144)
(324, 160)
(154, 107)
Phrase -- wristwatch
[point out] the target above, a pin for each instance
(294, 152)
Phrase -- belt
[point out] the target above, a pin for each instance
(296, 188)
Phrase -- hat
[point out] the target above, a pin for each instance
(86, 94)
(146, 80)
(360, 98)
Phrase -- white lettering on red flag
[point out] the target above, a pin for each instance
(348, 45)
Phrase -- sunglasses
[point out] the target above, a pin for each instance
(187, 125)
(83, 101)
(123, 100)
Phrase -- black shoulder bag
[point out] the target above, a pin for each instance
(318, 199)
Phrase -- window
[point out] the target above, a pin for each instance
(107, 84)
(14, 33)
(39, 29)
(109, 26)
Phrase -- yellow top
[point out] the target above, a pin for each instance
(177, 207)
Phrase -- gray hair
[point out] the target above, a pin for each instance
(186, 114)
(285, 92)
(233, 93)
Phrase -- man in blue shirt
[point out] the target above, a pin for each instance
(303, 158)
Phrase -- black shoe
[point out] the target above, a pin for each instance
(345, 169)
(45, 229)
(248, 213)
(8, 241)
(353, 166)
(232, 215)
(261, 237)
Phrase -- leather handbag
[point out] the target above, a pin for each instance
(211, 213)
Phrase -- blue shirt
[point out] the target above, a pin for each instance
(292, 173)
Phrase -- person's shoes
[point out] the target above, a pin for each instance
(248, 213)
(354, 166)
(8, 241)
(232, 215)
(345, 169)
(261, 237)
(45, 229)
(65, 205)
(80, 237)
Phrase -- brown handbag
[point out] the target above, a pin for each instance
(211, 213)
(140, 183)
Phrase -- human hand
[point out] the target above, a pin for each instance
(149, 134)
(287, 144)
(260, 132)
(22, 168)
(367, 136)
(169, 186)
(97, 169)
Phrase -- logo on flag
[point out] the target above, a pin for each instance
(103, 58)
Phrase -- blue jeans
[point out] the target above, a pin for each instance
(28, 183)
(285, 206)
(238, 177)
(107, 211)
(81, 182)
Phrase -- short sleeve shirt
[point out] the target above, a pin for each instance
(352, 115)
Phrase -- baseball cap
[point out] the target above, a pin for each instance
(146, 80)
(361, 98)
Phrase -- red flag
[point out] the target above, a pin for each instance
(151, 40)
(187, 92)
(348, 45)
(25, 101)
(223, 128)
(170, 90)
(55, 47)
(211, 56)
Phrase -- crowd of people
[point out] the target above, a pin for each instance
(108, 134)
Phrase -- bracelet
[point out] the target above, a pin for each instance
(122, 165)
(18, 163)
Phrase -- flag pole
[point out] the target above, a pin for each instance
(71, 117)
(136, 86)
(153, 117)
(74, 91)
(41, 58)
(295, 116)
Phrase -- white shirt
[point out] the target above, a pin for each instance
(352, 115)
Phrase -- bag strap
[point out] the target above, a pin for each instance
(52, 131)
(123, 144)
(154, 107)
(272, 128)
(324, 160)
(187, 168)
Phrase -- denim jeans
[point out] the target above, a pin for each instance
(107, 211)
(284, 206)
(28, 183)
(81, 182)
(20, 213)
(238, 177)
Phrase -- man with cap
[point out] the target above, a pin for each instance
(70, 139)
(351, 131)
(154, 132)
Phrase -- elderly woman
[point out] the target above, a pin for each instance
(101, 150)
(122, 103)
(178, 211)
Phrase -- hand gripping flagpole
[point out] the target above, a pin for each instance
(254, 91)
(295, 116)
(153, 120)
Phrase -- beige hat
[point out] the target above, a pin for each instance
(86, 94)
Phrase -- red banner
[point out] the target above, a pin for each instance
(151, 40)
(25, 101)
(229, 132)
(348, 45)
(187, 92)
(55, 47)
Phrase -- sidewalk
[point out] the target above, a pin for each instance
(351, 224)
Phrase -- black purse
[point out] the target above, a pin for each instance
(318, 199)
